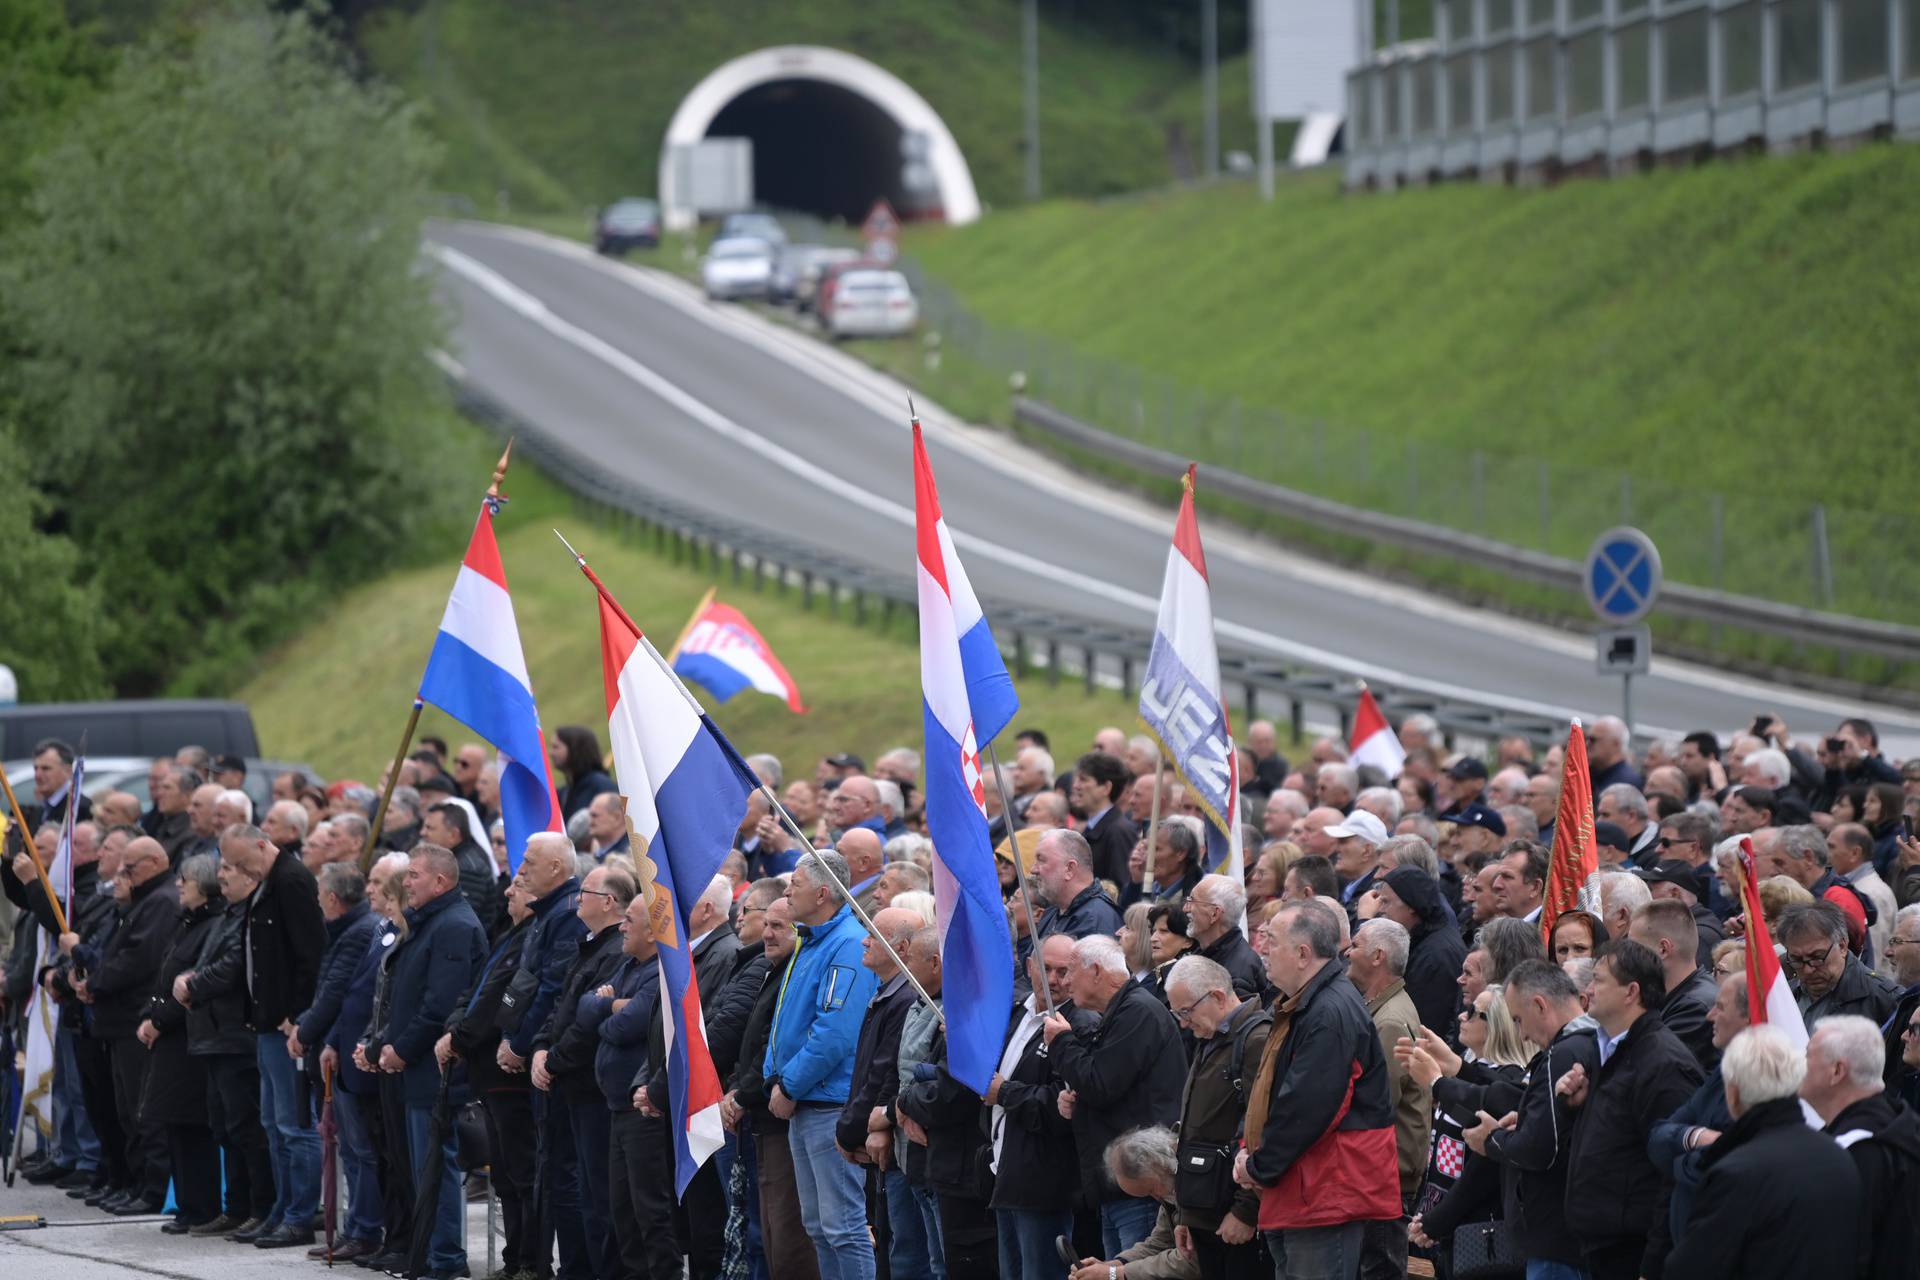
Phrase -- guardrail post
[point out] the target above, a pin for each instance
(1086, 668)
(1546, 510)
(1020, 652)
(859, 608)
(1126, 677)
(1296, 716)
(1822, 558)
(1718, 505)
(1053, 661)
(833, 599)
(806, 589)
(1479, 461)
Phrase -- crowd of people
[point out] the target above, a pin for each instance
(1365, 1049)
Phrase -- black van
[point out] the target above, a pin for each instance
(153, 727)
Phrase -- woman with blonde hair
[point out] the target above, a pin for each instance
(1135, 936)
(1267, 877)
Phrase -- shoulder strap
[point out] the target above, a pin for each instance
(1237, 1063)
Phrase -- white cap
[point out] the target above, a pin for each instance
(1363, 824)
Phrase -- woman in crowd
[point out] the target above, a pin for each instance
(576, 756)
(1167, 941)
(1267, 878)
(1136, 940)
(1576, 934)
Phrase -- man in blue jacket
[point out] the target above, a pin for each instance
(809, 1063)
(438, 961)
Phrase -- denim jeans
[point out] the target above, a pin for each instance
(929, 1206)
(360, 1161)
(1026, 1243)
(1125, 1223)
(74, 1142)
(1317, 1253)
(1546, 1269)
(907, 1253)
(447, 1247)
(832, 1197)
(293, 1144)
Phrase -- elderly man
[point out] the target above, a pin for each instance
(1800, 853)
(117, 809)
(1145, 1163)
(1077, 906)
(284, 936)
(286, 824)
(1311, 832)
(1217, 1219)
(1179, 846)
(1377, 964)
(1283, 810)
(230, 807)
(865, 855)
(1270, 766)
(1123, 1071)
(203, 823)
(467, 762)
(1542, 798)
(810, 1061)
(1507, 788)
(1827, 978)
(171, 785)
(1214, 910)
(1356, 853)
(1625, 807)
(1319, 1125)
(439, 958)
(1746, 810)
(1666, 928)
(897, 878)
(1464, 783)
(1036, 1173)
(607, 824)
(1904, 948)
(1336, 785)
(625, 1013)
(1845, 1085)
(1032, 774)
(855, 803)
(1850, 855)
(1747, 1218)
(1607, 755)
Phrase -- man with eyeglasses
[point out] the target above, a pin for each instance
(1828, 979)
(1218, 1221)
(1214, 909)
(1903, 952)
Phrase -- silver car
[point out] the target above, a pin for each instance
(738, 268)
(871, 304)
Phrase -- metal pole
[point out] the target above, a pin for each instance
(393, 776)
(1153, 824)
(1030, 58)
(1626, 700)
(1019, 875)
(1262, 126)
(1210, 86)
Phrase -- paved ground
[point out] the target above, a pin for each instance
(85, 1244)
(716, 407)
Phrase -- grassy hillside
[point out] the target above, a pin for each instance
(563, 105)
(1739, 335)
(338, 696)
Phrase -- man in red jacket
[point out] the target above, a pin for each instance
(1319, 1117)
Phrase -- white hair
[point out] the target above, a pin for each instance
(1292, 801)
(1224, 892)
(767, 768)
(905, 756)
(1198, 976)
(1612, 727)
(1386, 797)
(1773, 765)
(1763, 1065)
(1102, 953)
(1857, 1042)
(1390, 937)
(1344, 774)
(1426, 726)
(892, 799)
(1909, 912)
(719, 895)
(906, 846)
(1042, 759)
(1411, 851)
(918, 901)
(391, 862)
(240, 800)
(1628, 797)
(291, 812)
(1622, 889)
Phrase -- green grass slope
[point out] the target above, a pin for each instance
(337, 696)
(1740, 335)
(561, 105)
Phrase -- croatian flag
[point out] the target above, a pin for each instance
(478, 675)
(968, 700)
(1573, 877)
(1769, 996)
(686, 791)
(1374, 742)
(723, 654)
(1180, 698)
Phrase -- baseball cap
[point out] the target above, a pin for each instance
(847, 760)
(1468, 767)
(229, 764)
(1363, 824)
(1671, 871)
(1479, 815)
(1613, 836)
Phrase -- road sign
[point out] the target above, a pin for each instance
(1622, 576)
(881, 224)
(1623, 651)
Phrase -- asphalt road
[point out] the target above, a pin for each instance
(716, 407)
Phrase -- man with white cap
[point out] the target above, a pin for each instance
(1356, 852)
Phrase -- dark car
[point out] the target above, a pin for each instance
(627, 224)
(148, 728)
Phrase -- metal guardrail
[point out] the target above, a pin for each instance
(1810, 626)
(1097, 652)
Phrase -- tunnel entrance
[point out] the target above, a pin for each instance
(818, 148)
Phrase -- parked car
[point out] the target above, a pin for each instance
(806, 285)
(872, 303)
(737, 268)
(129, 774)
(754, 226)
(627, 224)
(131, 727)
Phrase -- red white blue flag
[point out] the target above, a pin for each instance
(723, 654)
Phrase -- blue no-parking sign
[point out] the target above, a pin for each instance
(1622, 576)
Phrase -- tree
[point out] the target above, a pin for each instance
(225, 321)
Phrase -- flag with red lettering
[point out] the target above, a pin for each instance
(1573, 876)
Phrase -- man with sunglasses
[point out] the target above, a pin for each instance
(1828, 979)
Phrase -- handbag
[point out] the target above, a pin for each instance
(1203, 1177)
(1486, 1250)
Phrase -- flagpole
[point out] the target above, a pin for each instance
(386, 795)
(33, 854)
(692, 622)
(1153, 822)
(786, 818)
(1019, 872)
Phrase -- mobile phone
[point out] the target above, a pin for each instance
(1906, 827)
(1760, 724)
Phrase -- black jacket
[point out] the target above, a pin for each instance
(1860, 991)
(950, 1114)
(1615, 1191)
(474, 1024)
(1232, 952)
(876, 1057)
(1712, 933)
(176, 1087)
(714, 962)
(1475, 1195)
(174, 831)
(749, 1081)
(727, 1019)
(1534, 1153)
(578, 794)
(1685, 1014)
(438, 959)
(285, 936)
(347, 941)
(1128, 1070)
(217, 1018)
(1433, 975)
(123, 978)
(1776, 1199)
(1882, 1136)
(1112, 840)
(480, 885)
(550, 948)
(569, 1044)
(1039, 1168)
(1090, 912)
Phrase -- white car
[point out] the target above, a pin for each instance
(738, 268)
(870, 304)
